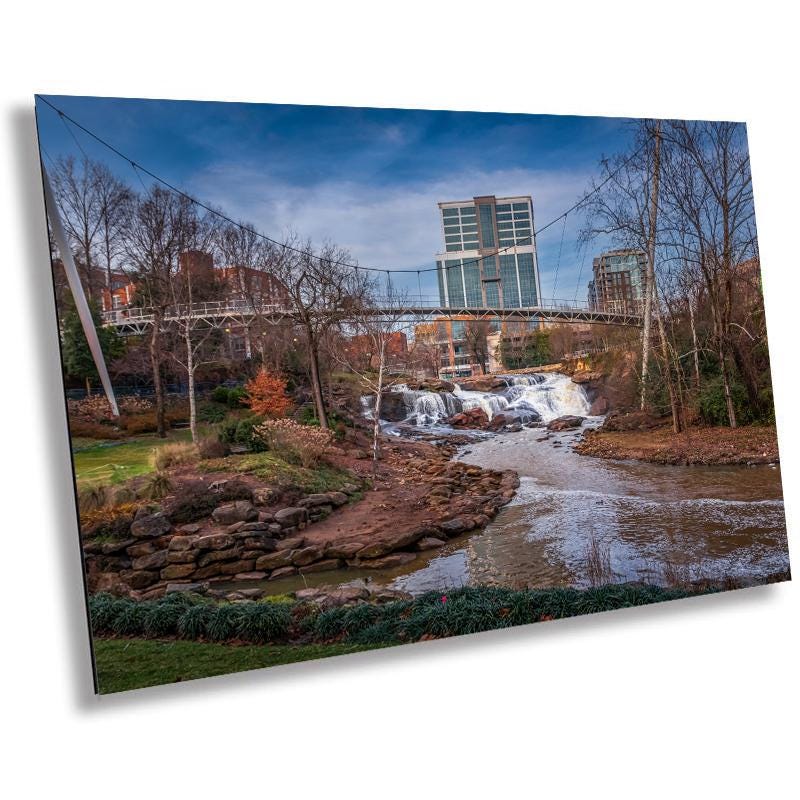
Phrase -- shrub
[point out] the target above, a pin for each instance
(212, 447)
(266, 395)
(220, 394)
(156, 486)
(172, 455)
(194, 621)
(113, 522)
(103, 609)
(295, 443)
(130, 618)
(242, 431)
(162, 618)
(92, 498)
(210, 413)
(224, 624)
(714, 407)
(236, 397)
(191, 502)
(234, 490)
(140, 423)
(194, 500)
(93, 430)
(264, 622)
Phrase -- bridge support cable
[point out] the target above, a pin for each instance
(75, 287)
(558, 261)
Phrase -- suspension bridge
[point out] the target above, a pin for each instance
(224, 313)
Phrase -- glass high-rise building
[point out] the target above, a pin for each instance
(489, 257)
(619, 281)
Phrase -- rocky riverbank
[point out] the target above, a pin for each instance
(652, 440)
(414, 500)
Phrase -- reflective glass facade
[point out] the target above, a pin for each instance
(491, 256)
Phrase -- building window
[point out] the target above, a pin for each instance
(455, 285)
(508, 276)
(449, 212)
(472, 284)
(487, 228)
(503, 207)
(440, 276)
(527, 279)
(492, 294)
(520, 207)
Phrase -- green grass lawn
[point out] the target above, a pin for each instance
(114, 462)
(124, 664)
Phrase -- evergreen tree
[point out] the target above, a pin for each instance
(77, 357)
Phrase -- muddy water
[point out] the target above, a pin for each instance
(653, 522)
(645, 521)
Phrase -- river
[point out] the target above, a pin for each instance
(578, 520)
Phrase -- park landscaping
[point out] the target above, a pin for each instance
(185, 636)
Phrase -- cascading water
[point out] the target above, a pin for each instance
(429, 408)
(544, 397)
(526, 397)
(553, 396)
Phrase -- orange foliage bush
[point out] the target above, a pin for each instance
(266, 395)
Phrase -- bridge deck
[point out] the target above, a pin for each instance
(219, 314)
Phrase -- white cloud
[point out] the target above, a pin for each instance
(396, 226)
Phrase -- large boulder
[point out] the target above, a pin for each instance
(388, 544)
(150, 525)
(214, 541)
(393, 407)
(290, 517)
(599, 407)
(153, 561)
(564, 423)
(473, 418)
(240, 511)
(431, 385)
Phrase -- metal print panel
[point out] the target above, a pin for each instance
(346, 378)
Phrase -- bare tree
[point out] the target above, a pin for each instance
(708, 199)
(155, 236)
(627, 209)
(475, 333)
(366, 349)
(322, 290)
(114, 201)
(195, 333)
(75, 187)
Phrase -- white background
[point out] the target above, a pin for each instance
(695, 699)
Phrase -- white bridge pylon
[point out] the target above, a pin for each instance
(219, 314)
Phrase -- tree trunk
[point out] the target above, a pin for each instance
(376, 426)
(88, 387)
(316, 383)
(726, 385)
(662, 334)
(649, 295)
(155, 364)
(694, 345)
(192, 398)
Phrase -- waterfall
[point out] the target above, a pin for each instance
(491, 403)
(536, 396)
(554, 395)
(430, 407)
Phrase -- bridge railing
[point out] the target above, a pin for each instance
(432, 304)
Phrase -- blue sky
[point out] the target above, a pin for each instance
(368, 179)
